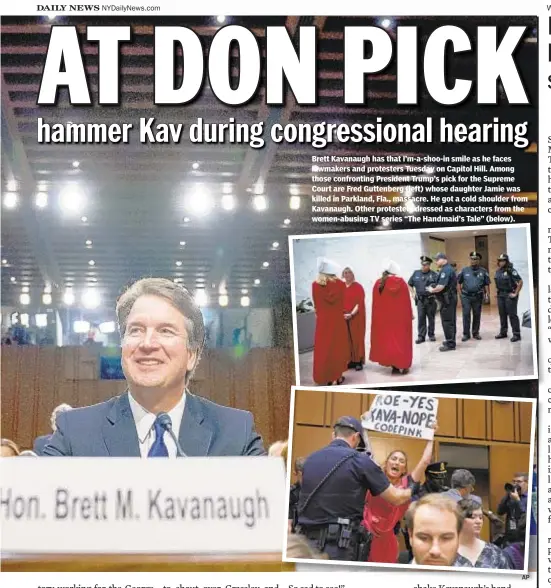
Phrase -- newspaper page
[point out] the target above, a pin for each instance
(296, 248)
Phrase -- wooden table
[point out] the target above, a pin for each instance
(264, 562)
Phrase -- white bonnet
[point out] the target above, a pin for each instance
(327, 266)
(391, 267)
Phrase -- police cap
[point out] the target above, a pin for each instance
(503, 257)
(354, 424)
(438, 469)
(425, 259)
(350, 423)
(475, 255)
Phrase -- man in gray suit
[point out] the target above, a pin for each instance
(41, 442)
(462, 486)
(162, 336)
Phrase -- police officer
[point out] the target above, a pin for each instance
(475, 288)
(294, 494)
(425, 302)
(508, 284)
(436, 478)
(446, 295)
(334, 484)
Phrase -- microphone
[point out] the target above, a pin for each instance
(166, 423)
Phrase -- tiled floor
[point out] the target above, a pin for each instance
(487, 359)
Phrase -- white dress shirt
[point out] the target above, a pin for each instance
(144, 421)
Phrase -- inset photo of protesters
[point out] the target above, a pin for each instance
(413, 307)
(390, 478)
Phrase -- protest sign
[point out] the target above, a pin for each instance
(406, 415)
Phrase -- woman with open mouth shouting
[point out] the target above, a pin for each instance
(380, 517)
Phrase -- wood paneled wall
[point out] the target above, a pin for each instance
(505, 462)
(37, 379)
(501, 427)
(461, 418)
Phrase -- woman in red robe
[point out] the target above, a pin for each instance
(354, 314)
(331, 339)
(391, 322)
(380, 517)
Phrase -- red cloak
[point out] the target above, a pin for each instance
(355, 295)
(391, 324)
(380, 517)
(331, 338)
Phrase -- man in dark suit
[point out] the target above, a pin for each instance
(43, 440)
(294, 493)
(162, 335)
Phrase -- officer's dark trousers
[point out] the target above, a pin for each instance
(508, 308)
(335, 552)
(426, 312)
(448, 314)
(471, 304)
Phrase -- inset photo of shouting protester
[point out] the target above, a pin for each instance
(390, 478)
(423, 306)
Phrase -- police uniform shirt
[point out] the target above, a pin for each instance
(506, 279)
(473, 280)
(343, 494)
(420, 280)
(447, 278)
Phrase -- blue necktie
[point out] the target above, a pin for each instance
(159, 448)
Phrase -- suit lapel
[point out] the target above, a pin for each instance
(195, 431)
(119, 430)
